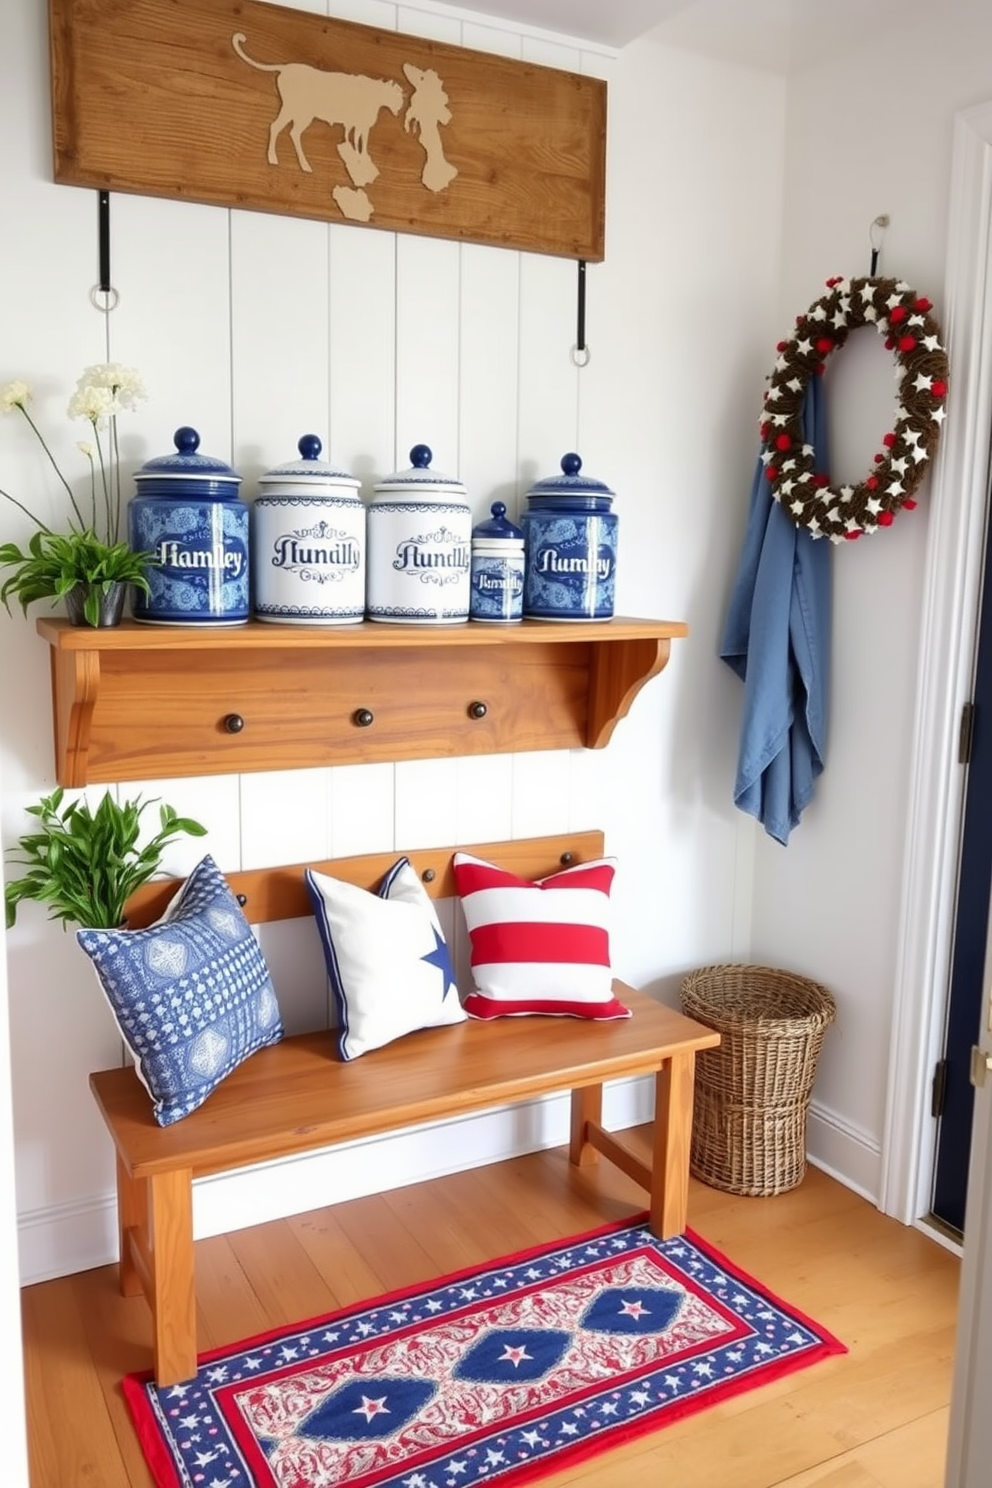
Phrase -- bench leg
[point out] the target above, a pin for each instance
(173, 1296)
(672, 1135)
(132, 1219)
(587, 1107)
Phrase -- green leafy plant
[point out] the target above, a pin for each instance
(85, 865)
(91, 555)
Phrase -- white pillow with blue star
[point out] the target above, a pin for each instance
(387, 959)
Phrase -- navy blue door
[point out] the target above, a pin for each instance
(970, 927)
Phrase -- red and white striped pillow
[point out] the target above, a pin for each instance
(539, 947)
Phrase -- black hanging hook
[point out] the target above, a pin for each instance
(580, 351)
(103, 210)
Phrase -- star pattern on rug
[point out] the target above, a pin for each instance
(481, 1379)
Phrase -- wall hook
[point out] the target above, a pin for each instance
(875, 235)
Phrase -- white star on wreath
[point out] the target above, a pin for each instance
(913, 336)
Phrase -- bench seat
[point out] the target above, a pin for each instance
(298, 1096)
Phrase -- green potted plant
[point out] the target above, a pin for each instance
(85, 864)
(89, 565)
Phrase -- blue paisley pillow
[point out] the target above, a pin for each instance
(192, 995)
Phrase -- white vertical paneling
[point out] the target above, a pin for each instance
(279, 319)
(540, 793)
(295, 959)
(493, 39)
(548, 383)
(285, 816)
(361, 810)
(484, 785)
(380, 13)
(362, 324)
(426, 803)
(171, 262)
(430, 24)
(488, 369)
(428, 280)
(213, 801)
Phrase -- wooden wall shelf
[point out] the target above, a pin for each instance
(147, 701)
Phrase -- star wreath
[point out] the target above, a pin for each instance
(903, 318)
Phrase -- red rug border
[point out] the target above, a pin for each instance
(159, 1459)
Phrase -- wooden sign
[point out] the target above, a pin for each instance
(244, 104)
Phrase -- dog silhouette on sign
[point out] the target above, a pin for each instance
(307, 93)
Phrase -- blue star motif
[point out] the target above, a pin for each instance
(439, 957)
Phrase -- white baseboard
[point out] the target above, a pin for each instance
(844, 1151)
(61, 1239)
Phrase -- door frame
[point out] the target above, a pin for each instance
(948, 642)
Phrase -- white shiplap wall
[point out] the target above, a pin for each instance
(256, 329)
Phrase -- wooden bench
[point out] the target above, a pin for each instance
(298, 1096)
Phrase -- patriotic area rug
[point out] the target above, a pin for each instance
(497, 1375)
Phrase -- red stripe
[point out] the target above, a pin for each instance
(484, 1008)
(470, 877)
(520, 940)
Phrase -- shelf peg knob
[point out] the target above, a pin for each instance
(477, 710)
(234, 723)
(363, 718)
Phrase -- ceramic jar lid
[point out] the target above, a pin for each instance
(498, 528)
(571, 485)
(419, 481)
(199, 475)
(309, 472)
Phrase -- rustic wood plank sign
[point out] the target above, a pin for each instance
(243, 104)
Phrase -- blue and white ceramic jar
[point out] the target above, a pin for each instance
(308, 543)
(420, 547)
(188, 513)
(497, 589)
(570, 534)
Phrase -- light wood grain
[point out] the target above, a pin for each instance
(512, 154)
(875, 1418)
(140, 702)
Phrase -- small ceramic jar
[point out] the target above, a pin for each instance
(308, 543)
(419, 547)
(497, 588)
(570, 535)
(188, 513)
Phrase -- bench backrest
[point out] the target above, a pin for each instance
(268, 894)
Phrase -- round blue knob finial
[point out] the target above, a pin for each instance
(309, 447)
(186, 440)
(498, 510)
(421, 456)
(571, 464)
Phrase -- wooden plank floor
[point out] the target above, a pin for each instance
(875, 1418)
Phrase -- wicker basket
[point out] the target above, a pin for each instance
(752, 1093)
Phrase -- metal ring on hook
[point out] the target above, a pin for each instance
(580, 356)
(881, 222)
(110, 295)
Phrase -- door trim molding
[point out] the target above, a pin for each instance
(948, 643)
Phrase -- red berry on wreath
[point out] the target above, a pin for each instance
(781, 345)
(824, 345)
(938, 387)
(907, 343)
(909, 504)
(899, 313)
(771, 473)
(890, 345)
(889, 440)
(872, 483)
(878, 459)
(885, 519)
(923, 304)
(783, 442)
(821, 481)
(765, 430)
(852, 536)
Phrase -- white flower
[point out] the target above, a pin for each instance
(104, 390)
(93, 403)
(85, 448)
(14, 395)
